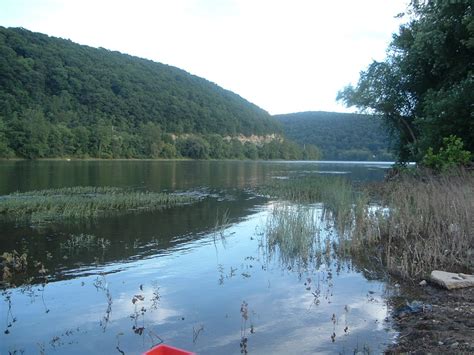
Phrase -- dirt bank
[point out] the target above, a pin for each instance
(445, 327)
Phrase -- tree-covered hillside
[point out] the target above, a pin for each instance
(340, 136)
(58, 98)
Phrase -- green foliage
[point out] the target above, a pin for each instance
(59, 99)
(450, 156)
(193, 147)
(311, 152)
(339, 136)
(5, 150)
(424, 90)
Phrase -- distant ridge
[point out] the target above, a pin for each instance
(339, 136)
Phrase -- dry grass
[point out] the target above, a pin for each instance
(427, 224)
(420, 222)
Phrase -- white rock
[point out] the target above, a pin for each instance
(451, 280)
(423, 283)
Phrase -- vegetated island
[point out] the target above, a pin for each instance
(61, 99)
(83, 202)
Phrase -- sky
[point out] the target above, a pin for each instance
(282, 55)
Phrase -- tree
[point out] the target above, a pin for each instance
(424, 90)
(5, 151)
(311, 152)
(102, 138)
(151, 137)
(194, 147)
(218, 148)
(250, 150)
(28, 134)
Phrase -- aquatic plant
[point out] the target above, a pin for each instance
(101, 284)
(292, 233)
(244, 313)
(420, 222)
(77, 242)
(222, 223)
(196, 332)
(336, 193)
(83, 202)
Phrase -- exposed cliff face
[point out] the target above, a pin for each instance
(257, 140)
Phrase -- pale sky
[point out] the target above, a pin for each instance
(282, 55)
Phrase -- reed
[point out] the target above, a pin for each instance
(292, 233)
(83, 202)
(424, 223)
(418, 223)
(336, 193)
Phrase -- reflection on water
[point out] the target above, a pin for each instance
(233, 273)
(166, 175)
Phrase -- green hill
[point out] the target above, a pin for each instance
(58, 98)
(339, 136)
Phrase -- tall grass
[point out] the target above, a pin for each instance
(82, 202)
(419, 223)
(427, 224)
(292, 233)
(336, 193)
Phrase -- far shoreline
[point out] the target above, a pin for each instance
(346, 162)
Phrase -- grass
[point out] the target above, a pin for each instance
(336, 193)
(427, 224)
(83, 203)
(308, 189)
(420, 222)
(292, 233)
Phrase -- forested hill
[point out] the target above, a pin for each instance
(95, 102)
(339, 136)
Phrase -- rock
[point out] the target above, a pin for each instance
(451, 280)
(454, 345)
(423, 283)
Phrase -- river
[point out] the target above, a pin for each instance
(200, 277)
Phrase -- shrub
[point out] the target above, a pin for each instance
(450, 156)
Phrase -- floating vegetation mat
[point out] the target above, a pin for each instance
(83, 202)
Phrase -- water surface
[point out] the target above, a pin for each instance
(171, 275)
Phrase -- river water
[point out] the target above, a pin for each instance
(200, 277)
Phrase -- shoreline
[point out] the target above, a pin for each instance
(447, 327)
(329, 162)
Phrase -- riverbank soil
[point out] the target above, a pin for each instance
(445, 327)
